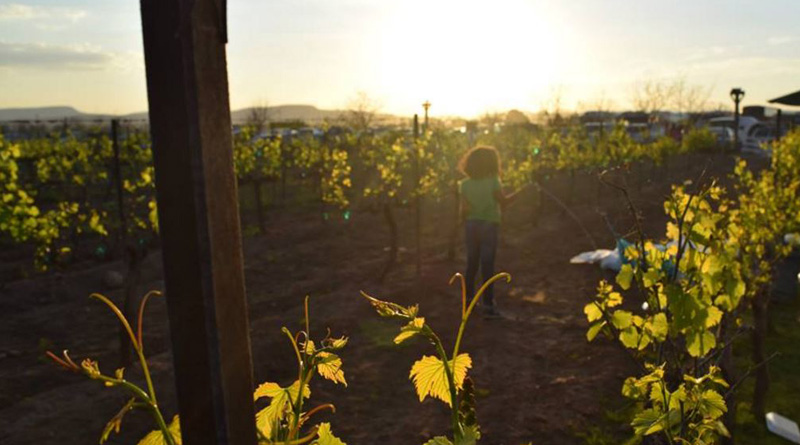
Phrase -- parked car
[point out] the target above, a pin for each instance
(757, 136)
(745, 124)
(594, 129)
(724, 136)
(641, 132)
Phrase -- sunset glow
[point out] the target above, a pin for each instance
(467, 57)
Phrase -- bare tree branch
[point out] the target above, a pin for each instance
(259, 116)
(362, 112)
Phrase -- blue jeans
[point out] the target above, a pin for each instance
(481, 238)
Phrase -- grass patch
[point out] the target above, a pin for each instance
(784, 389)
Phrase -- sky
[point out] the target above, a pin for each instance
(466, 57)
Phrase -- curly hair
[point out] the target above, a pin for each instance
(480, 162)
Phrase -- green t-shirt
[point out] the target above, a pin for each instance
(479, 194)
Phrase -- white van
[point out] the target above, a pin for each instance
(745, 124)
(757, 137)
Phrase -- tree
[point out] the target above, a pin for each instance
(362, 112)
(259, 117)
(689, 99)
(65, 205)
(256, 160)
(552, 108)
(516, 117)
(389, 159)
(652, 97)
(326, 161)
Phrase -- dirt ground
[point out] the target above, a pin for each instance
(537, 378)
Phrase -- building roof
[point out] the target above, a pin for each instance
(789, 99)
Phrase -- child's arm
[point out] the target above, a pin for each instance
(506, 200)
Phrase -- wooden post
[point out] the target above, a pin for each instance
(122, 234)
(417, 197)
(187, 89)
(130, 255)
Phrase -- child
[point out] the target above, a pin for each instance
(482, 199)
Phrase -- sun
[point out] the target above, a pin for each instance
(467, 57)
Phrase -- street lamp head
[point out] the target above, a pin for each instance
(737, 94)
(426, 105)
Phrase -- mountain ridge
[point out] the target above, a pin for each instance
(306, 113)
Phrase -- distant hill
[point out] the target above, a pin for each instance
(46, 113)
(306, 113)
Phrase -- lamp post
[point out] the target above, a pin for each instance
(426, 105)
(736, 94)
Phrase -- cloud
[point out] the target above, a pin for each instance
(20, 12)
(49, 57)
(749, 67)
(782, 40)
(704, 53)
(15, 11)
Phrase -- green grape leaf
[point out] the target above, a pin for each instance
(659, 328)
(470, 437)
(677, 397)
(613, 299)
(430, 377)
(625, 276)
(330, 367)
(411, 329)
(389, 309)
(650, 278)
(647, 422)
(157, 437)
(622, 319)
(268, 418)
(593, 312)
(326, 437)
(94, 224)
(672, 231)
(711, 404)
(721, 429)
(736, 287)
(700, 343)
(657, 394)
(631, 389)
(713, 316)
(267, 389)
(630, 337)
(594, 329)
(294, 389)
(282, 400)
(338, 343)
(713, 374)
(712, 265)
(682, 305)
